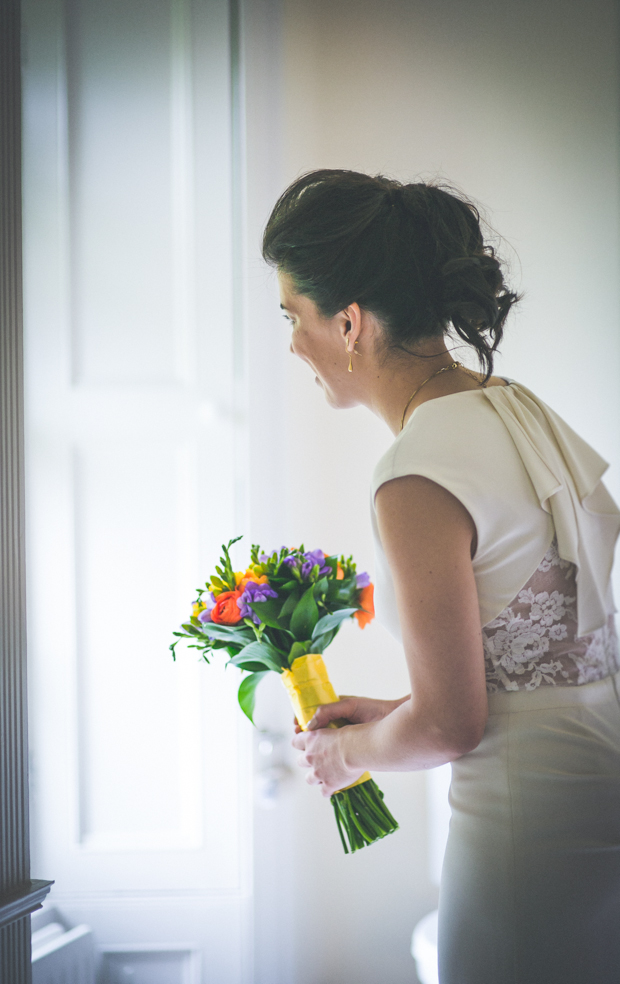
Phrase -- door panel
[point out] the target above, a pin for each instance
(140, 765)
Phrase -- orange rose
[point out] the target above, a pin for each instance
(226, 610)
(368, 605)
(339, 573)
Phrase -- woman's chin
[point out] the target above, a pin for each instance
(335, 401)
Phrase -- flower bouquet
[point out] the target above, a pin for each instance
(279, 616)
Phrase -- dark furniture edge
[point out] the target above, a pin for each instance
(23, 901)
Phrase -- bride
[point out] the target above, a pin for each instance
(494, 543)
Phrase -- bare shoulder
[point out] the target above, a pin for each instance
(413, 509)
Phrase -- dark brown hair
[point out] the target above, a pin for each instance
(411, 254)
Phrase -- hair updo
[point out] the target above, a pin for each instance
(411, 254)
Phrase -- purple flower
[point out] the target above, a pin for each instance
(205, 615)
(254, 593)
(313, 557)
(362, 580)
(290, 561)
(264, 558)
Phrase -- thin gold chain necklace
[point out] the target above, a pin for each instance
(453, 365)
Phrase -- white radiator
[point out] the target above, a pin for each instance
(61, 954)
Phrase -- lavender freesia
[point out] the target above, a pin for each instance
(254, 593)
(205, 615)
(362, 580)
(311, 559)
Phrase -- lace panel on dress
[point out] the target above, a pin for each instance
(534, 641)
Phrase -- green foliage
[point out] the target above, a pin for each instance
(320, 643)
(247, 693)
(305, 616)
(227, 575)
(268, 612)
(329, 622)
(232, 635)
(289, 605)
(260, 652)
(298, 649)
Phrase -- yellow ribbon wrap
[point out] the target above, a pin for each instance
(308, 687)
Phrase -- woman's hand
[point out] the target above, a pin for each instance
(322, 756)
(321, 747)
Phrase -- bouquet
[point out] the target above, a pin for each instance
(278, 617)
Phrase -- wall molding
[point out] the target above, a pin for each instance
(23, 901)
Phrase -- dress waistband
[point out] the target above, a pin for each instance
(549, 696)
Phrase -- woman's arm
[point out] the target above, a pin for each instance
(428, 538)
(353, 710)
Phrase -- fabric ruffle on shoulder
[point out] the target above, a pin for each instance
(566, 475)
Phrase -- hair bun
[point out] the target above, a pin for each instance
(470, 285)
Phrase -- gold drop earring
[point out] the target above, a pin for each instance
(350, 351)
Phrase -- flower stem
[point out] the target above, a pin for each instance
(362, 816)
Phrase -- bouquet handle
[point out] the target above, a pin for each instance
(361, 815)
(308, 687)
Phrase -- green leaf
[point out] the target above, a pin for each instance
(247, 693)
(329, 622)
(289, 585)
(342, 591)
(305, 616)
(268, 611)
(298, 649)
(256, 653)
(191, 629)
(251, 666)
(234, 635)
(320, 587)
(260, 652)
(320, 643)
(288, 607)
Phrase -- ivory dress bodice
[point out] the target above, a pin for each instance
(546, 528)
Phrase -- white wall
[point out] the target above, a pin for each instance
(517, 104)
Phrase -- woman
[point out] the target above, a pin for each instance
(494, 540)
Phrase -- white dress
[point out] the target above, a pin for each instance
(530, 890)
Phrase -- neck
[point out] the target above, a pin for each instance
(395, 382)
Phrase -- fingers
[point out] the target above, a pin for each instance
(311, 778)
(327, 713)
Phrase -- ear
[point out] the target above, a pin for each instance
(351, 325)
